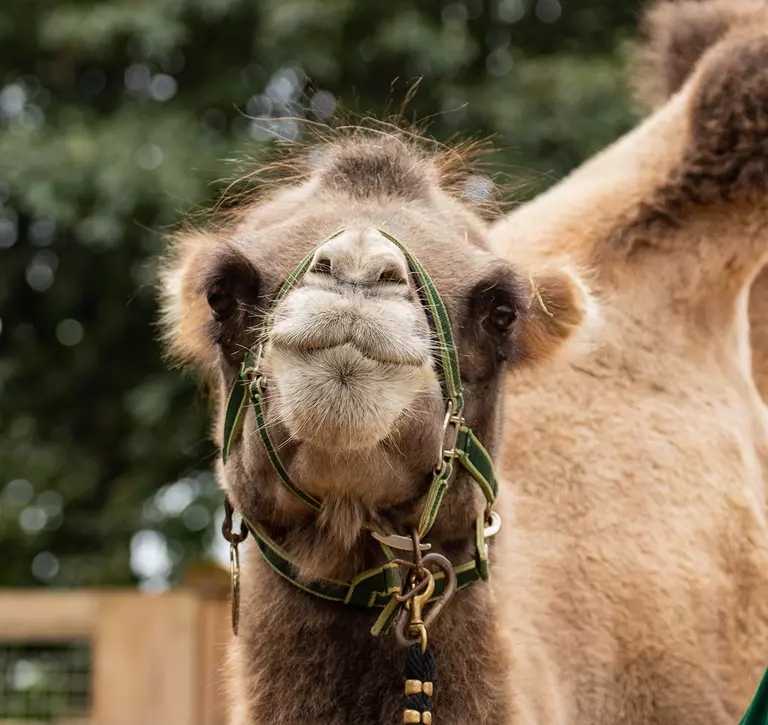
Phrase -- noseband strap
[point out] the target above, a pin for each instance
(464, 446)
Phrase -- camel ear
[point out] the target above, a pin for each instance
(563, 315)
(676, 36)
(187, 320)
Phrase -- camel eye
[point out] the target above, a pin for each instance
(222, 303)
(503, 317)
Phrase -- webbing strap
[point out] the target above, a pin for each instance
(257, 397)
(434, 498)
(235, 410)
(373, 588)
(441, 324)
(473, 456)
(233, 416)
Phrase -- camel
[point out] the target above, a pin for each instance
(640, 467)
(354, 407)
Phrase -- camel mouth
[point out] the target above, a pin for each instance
(340, 398)
(385, 330)
(351, 348)
(347, 364)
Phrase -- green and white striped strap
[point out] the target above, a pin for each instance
(373, 588)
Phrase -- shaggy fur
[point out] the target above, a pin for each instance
(641, 468)
(679, 34)
(299, 659)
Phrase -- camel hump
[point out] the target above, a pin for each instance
(725, 155)
(677, 34)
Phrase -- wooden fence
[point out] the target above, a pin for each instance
(154, 659)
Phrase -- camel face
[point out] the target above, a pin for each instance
(348, 365)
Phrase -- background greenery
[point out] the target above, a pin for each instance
(116, 117)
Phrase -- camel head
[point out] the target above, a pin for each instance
(353, 388)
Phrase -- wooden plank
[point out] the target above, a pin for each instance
(146, 660)
(37, 615)
(215, 635)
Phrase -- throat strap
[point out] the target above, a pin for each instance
(372, 588)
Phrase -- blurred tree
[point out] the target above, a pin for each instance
(115, 118)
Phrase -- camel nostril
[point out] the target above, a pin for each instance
(321, 265)
(392, 275)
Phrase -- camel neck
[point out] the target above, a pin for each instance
(302, 659)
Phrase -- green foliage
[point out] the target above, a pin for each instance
(116, 117)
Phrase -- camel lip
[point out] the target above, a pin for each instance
(309, 349)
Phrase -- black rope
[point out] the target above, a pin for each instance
(420, 667)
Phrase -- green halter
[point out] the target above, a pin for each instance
(375, 587)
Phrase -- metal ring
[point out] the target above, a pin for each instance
(233, 537)
(494, 525)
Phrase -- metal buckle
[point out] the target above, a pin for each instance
(447, 452)
(253, 371)
(402, 543)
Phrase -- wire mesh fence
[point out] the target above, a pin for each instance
(45, 682)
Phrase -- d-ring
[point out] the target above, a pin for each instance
(493, 527)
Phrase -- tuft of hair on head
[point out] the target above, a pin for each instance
(677, 33)
(366, 159)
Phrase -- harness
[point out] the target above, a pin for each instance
(381, 587)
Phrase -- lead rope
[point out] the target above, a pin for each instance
(420, 675)
(420, 670)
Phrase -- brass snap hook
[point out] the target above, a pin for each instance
(412, 624)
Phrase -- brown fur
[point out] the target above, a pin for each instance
(678, 35)
(299, 659)
(641, 467)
